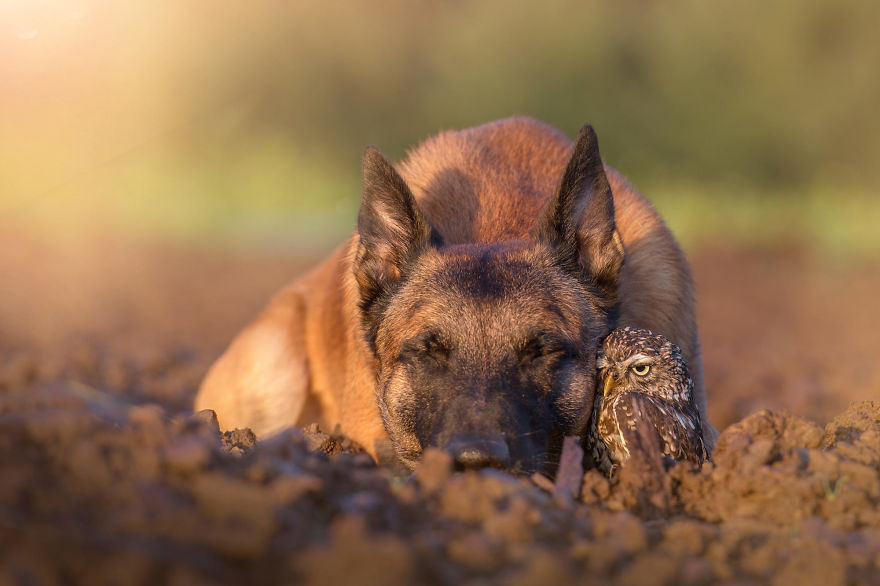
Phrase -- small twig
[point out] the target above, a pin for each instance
(570, 474)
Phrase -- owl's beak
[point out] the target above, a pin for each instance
(607, 383)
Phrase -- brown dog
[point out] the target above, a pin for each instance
(466, 311)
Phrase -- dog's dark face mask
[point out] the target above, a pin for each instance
(488, 350)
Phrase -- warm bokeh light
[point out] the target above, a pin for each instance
(245, 122)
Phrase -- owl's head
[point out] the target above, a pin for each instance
(637, 360)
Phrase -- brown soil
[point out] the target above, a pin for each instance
(107, 478)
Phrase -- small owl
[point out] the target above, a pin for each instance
(643, 377)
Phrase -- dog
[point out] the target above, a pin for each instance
(466, 310)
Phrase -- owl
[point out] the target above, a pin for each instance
(643, 378)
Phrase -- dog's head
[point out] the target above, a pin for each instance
(488, 350)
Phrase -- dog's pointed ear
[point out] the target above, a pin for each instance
(391, 228)
(579, 220)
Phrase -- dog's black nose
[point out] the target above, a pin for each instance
(470, 451)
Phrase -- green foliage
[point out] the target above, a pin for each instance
(776, 95)
(832, 492)
(246, 121)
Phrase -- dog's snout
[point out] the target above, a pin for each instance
(471, 451)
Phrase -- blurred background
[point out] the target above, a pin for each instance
(245, 123)
(229, 130)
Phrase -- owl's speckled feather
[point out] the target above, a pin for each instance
(643, 377)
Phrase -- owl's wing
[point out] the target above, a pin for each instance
(679, 432)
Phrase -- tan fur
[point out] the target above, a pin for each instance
(305, 356)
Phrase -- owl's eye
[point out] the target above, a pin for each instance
(641, 369)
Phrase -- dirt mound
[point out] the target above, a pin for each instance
(107, 478)
(128, 494)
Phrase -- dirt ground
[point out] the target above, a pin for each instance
(106, 477)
